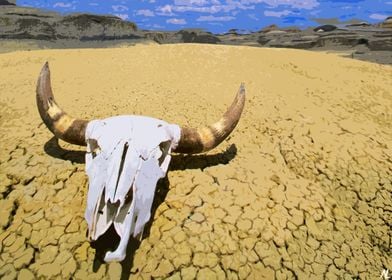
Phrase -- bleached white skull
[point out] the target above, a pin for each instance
(126, 156)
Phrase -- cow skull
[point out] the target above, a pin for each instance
(126, 156)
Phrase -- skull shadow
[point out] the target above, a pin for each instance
(110, 240)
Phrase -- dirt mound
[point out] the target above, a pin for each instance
(302, 187)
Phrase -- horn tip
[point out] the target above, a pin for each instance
(45, 67)
(242, 88)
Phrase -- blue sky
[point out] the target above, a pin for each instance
(221, 15)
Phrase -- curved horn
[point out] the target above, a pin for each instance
(206, 138)
(59, 123)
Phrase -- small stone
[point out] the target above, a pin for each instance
(25, 230)
(319, 269)
(188, 273)
(183, 249)
(164, 268)
(19, 242)
(36, 237)
(8, 272)
(25, 274)
(6, 208)
(24, 259)
(193, 201)
(267, 235)
(9, 240)
(244, 271)
(81, 252)
(198, 217)
(49, 270)
(181, 261)
(151, 265)
(175, 276)
(48, 254)
(340, 262)
(63, 221)
(193, 228)
(53, 235)
(41, 224)
(298, 217)
(259, 271)
(244, 225)
(81, 275)
(69, 268)
(250, 242)
(168, 226)
(273, 261)
(29, 190)
(205, 260)
(114, 271)
(179, 237)
(313, 227)
(206, 273)
(63, 257)
(313, 243)
(73, 226)
(219, 213)
(35, 217)
(169, 243)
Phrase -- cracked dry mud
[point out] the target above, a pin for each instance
(302, 188)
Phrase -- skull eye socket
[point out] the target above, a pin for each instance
(164, 146)
(95, 149)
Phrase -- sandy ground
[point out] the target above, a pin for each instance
(302, 188)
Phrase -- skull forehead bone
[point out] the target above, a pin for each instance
(126, 156)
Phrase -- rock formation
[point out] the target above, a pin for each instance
(29, 23)
(4, 3)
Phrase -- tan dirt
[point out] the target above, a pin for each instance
(301, 188)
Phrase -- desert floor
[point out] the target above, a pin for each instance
(302, 188)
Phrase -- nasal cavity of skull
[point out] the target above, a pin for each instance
(164, 146)
(120, 170)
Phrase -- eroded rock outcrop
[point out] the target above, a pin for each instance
(29, 23)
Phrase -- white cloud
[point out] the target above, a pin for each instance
(213, 18)
(119, 8)
(122, 16)
(197, 6)
(378, 16)
(176, 21)
(210, 9)
(62, 5)
(191, 2)
(166, 10)
(93, 4)
(305, 4)
(146, 13)
(232, 6)
(277, 13)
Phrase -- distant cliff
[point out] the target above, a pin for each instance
(29, 23)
